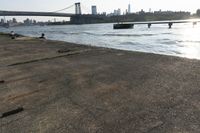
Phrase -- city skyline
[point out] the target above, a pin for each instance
(106, 6)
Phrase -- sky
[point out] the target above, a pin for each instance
(102, 5)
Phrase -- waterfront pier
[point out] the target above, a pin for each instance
(149, 24)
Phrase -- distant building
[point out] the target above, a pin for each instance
(94, 10)
(14, 20)
(129, 8)
(34, 22)
(104, 13)
(116, 12)
(2, 21)
(198, 12)
(142, 11)
(28, 22)
(150, 10)
(119, 12)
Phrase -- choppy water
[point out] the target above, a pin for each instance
(182, 40)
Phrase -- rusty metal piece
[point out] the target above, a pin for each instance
(2, 81)
(64, 51)
(12, 112)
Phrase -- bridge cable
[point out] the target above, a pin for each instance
(63, 9)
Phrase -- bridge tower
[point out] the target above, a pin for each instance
(78, 8)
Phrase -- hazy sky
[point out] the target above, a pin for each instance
(102, 5)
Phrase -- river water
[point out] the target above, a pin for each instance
(182, 40)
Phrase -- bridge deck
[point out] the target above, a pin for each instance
(26, 13)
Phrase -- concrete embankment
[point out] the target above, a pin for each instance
(49, 86)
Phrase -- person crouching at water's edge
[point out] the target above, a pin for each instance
(12, 34)
(42, 36)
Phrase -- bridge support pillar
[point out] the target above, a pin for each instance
(170, 25)
(78, 8)
(149, 25)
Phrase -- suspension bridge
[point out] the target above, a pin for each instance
(49, 14)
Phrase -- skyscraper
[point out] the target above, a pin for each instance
(94, 10)
(119, 11)
(129, 8)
